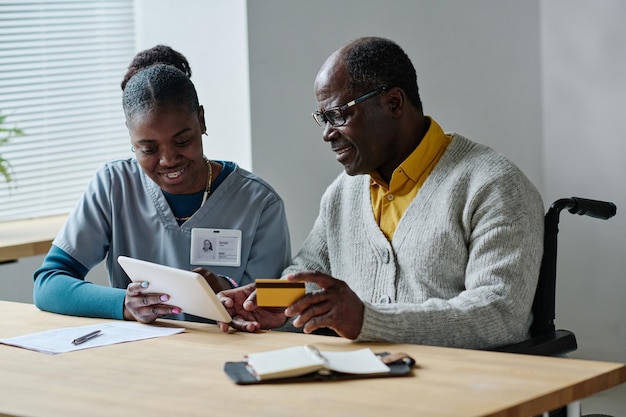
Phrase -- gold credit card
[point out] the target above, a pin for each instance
(278, 292)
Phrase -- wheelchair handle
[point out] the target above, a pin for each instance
(585, 207)
(543, 304)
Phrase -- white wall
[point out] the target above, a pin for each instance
(477, 64)
(213, 37)
(584, 80)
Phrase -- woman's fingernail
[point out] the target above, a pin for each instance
(176, 311)
(144, 284)
(164, 297)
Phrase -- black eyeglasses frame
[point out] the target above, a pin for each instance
(337, 118)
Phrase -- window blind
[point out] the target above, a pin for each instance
(61, 64)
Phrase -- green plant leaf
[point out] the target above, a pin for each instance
(7, 133)
(4, 169)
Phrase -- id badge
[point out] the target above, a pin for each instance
(217, 247)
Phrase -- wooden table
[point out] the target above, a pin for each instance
(182, 375)
(30, 237)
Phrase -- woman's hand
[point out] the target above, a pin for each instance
(146, 307)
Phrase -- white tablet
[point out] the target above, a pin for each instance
(187, 290)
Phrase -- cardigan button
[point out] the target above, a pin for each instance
(386, 256)
(384, 299)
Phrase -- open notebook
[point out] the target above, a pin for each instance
(307, 363)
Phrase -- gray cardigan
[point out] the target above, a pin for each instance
(463, 264)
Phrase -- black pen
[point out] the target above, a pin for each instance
(86, 337)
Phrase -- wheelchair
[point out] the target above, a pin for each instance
(545, 339)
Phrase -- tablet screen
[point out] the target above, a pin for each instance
(187, 290)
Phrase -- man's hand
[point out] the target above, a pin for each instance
(246, 315)
(334, 306)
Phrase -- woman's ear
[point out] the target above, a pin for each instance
(201, 119)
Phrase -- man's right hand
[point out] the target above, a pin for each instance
(246, 315)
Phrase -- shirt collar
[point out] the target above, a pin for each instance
(421, 157)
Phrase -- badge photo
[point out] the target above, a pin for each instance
(217, 247)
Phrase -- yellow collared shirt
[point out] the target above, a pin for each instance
(390, 201)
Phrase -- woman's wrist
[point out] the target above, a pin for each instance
(232, 282)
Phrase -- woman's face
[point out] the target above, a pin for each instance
(168, 146)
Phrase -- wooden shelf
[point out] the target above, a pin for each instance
(30, 237)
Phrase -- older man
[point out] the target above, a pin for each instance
(426, 238)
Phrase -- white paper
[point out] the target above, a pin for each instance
(60, 340)
(362, 361)
(299, 359)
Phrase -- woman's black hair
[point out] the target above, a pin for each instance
(159, 54)
(156, 86)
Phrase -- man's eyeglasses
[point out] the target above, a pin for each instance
(335, 115)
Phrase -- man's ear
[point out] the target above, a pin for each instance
(396, 100)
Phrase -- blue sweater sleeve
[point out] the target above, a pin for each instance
(60, 287)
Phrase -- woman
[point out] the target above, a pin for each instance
(160, 204)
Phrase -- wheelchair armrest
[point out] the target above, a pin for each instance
(556, 343)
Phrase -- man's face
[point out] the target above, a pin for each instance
(363, 143)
